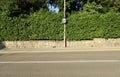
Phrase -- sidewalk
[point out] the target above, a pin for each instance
(41, 50)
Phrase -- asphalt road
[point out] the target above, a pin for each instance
(65, 64)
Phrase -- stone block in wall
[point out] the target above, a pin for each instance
(2, 45)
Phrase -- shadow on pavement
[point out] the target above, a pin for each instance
(2, 46)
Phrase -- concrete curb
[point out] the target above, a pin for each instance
(43, 50)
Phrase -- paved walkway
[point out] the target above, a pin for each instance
(36, 50)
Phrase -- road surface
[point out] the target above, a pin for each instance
(65, 64)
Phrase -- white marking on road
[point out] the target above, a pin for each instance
(72, 61)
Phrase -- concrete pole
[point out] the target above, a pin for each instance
(65, 42)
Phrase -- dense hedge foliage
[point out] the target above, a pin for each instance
(47, 26)
(88, 26)
(91, 22)
(39, 25)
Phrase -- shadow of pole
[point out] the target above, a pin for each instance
(2, 46)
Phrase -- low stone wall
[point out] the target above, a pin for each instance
(33, 44)
(97, 42)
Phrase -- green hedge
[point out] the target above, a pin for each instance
(43, 25)
(88, 26)
(38, 26)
